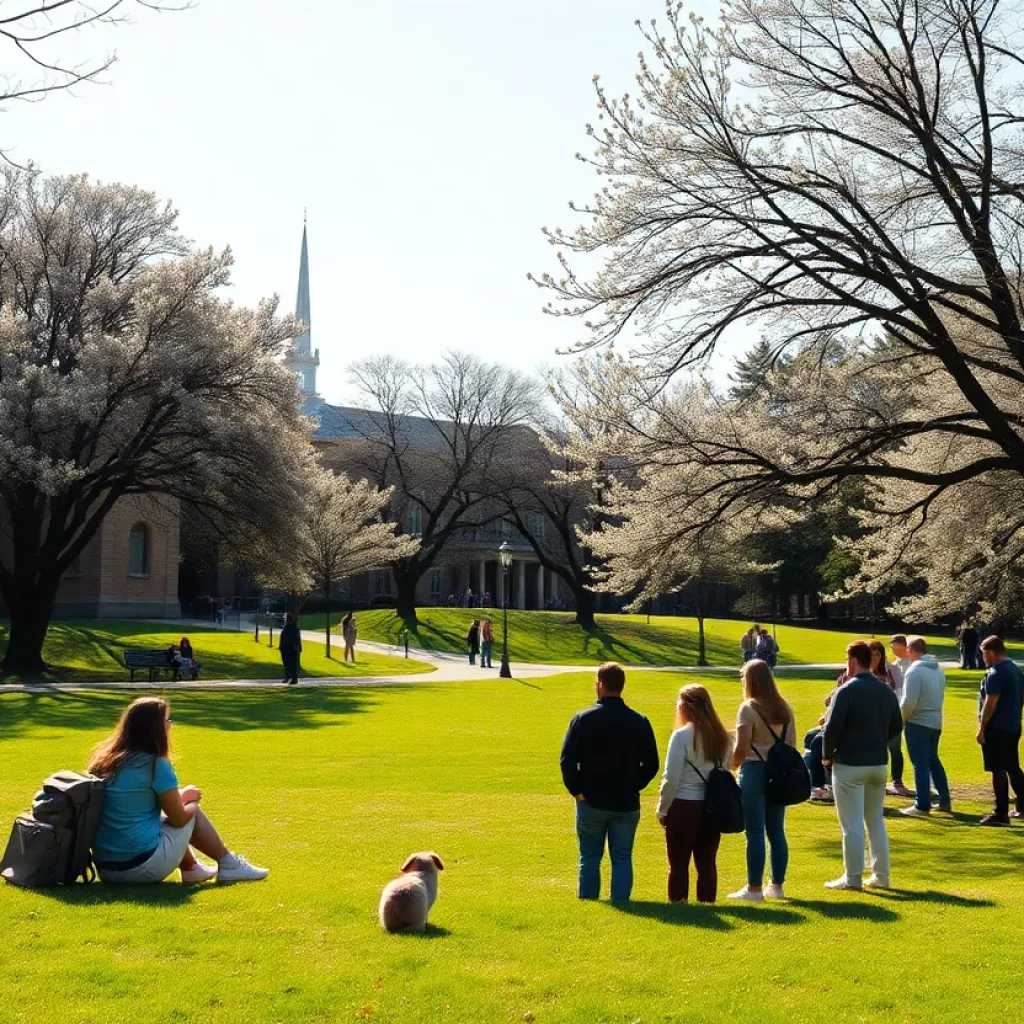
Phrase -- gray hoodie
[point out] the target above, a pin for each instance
(924, 688)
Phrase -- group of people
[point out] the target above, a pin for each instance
(610, 755)
(480, 641)
(758, 643)
(181, 660)
(968, 641)
(468, 599)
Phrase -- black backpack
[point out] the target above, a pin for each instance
(53, 845)
(723, 801)
(789, 781)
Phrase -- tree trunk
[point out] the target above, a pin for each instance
(584, 607)
(406, 578)
(327, 625)
(30, 611)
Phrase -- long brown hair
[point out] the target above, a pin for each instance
(759, 688)
(141, 730)
(877, 647)
(710, 738)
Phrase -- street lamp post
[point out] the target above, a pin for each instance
(505, 554)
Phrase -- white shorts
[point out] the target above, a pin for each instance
(165, 859)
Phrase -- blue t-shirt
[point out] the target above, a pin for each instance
(1005, 679)
(130, 822)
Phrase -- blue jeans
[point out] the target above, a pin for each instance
(923, 748)
(485, 654)
(760, 815)
(594, 828)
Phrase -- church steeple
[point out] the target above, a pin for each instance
(303, 360)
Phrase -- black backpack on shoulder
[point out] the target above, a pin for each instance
(789, 781)
(723, 801)
(53, 845)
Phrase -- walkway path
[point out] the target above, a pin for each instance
(447, 668)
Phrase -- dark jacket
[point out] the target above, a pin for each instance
(864, 717)
(473, 639)
(289, 640)
(609, 755)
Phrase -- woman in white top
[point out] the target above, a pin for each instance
(762, 717)
(698, 744)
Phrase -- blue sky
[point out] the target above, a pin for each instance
(429, 139)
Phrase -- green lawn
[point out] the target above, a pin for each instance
(553, 638)
(92, 651)
(332, 788)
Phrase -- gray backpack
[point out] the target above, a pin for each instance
(53, 845)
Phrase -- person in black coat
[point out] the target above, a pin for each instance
(289, 643)
(608, 757)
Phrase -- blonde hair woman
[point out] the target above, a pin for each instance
(762, 716)
(697, 745)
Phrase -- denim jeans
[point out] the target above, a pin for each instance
(618, 829)
(923, 748)
(860, 804)
(896, 758)
(815, 743)
(760, 815)
(485, 655)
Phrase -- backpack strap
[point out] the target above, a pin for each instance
(697, 770)
(777, 739)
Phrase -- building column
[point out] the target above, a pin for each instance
(482, 581)
(519, 568)
(540, 588)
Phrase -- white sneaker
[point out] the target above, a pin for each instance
(913, 811)
(748, 894)
(235, 868)
(197, 875)
(874, 882)
(844, 883)
(774, 892)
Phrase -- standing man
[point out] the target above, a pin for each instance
(967, 639)
(900, 654)
(608, 757)
(999, 727)
(924, 690)
(289, 643)
(863, 719)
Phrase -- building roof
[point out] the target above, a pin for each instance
(346, 423)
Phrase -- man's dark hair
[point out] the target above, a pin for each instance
(918, 644)
(993, 644)
(860, 653)
(898, 638)
(612, 677)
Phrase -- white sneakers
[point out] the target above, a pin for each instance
(913, 811)
(774, 892)
(197, 875)
(235, 868)
(844, 883)
(748, 894)
(874, 882)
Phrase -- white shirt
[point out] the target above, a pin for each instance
(680, 779)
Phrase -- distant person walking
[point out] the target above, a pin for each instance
(765, 649)
(699, 744)
(863, 719)
(924, 690)
(473, 641)
(999, 728)
(289, 643)
(608, 757)
(486, 643)
(967, 641)
(348, 634)
(763, 716)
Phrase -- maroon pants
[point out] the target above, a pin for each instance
(687, 835)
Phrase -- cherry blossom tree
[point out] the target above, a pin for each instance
(123, 373)
(341, 534)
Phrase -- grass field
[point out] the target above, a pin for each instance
(553, 638)
(332, 788)
(92, 652)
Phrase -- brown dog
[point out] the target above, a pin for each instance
(406, 902)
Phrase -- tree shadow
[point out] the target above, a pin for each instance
(234, 711)
(712, 916)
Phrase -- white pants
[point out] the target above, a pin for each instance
(859, 793)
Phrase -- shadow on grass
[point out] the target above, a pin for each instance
(434, 931)
(931, 896)
(96, 894)
(848, 910)
(278, 709)
(712, 916)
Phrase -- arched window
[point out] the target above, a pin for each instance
(138, 550)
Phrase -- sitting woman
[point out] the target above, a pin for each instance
(147, 822)
(190, 666)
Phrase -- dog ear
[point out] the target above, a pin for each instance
(409, 862)
(437, 862)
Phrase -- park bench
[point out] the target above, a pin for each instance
(152, 660)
